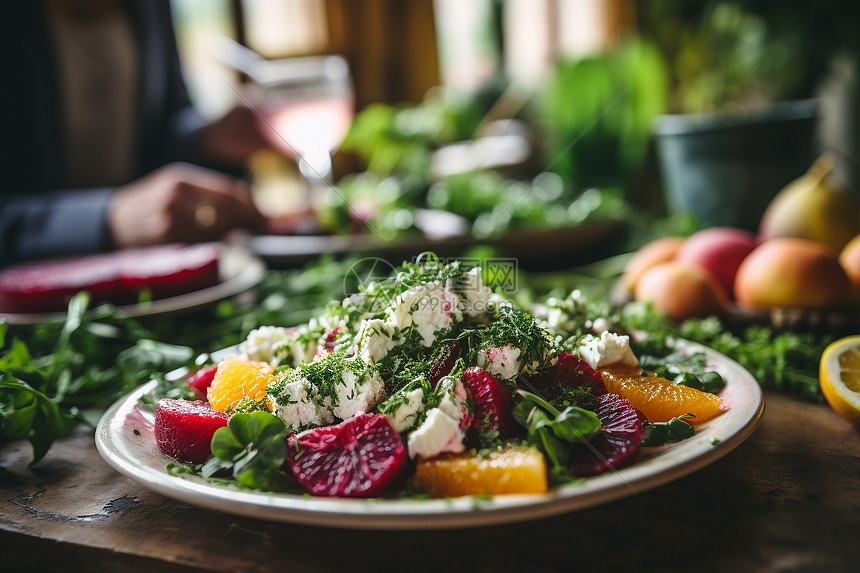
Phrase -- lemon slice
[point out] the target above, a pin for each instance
(839, 376)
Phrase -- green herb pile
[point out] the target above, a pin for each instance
(67, 370)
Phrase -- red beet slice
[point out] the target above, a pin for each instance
(184, 429)
(492, 403)
(169, 270)
(443, 365)
(46, 286)
(360, 457)
(569, 371)
(202, 379)
(616, 445)
(117, 277)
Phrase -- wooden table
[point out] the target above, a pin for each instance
(786, 500)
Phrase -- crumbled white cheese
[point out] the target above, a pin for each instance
(501, 362)
(261, 342)
(406, 414)
(431, 308)
(478, 297)
(360, 391)
(374, 340)
(439, 433)
(299, 408)
(299, 347)
(608, 348)
(454, 396)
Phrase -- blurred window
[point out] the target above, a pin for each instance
(198, 24)
(535, 34)
(397, 49)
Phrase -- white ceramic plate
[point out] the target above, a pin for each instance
(239, 270)
(137, 456)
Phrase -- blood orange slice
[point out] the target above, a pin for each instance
(660, 399)
(617, 443)
(360, 457)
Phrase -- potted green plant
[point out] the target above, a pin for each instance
(742, 77)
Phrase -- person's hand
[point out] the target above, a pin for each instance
(180, 203)
(232, 139)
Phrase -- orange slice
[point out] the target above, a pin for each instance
(660, 399)
(235, 380)
(511, 470)
(839, 376)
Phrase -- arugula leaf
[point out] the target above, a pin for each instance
(551, 430)
(66, 366)
(660, 433)
(686, 370)
(253, 446)
(29, 413)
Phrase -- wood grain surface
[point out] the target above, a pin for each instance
(788, 499)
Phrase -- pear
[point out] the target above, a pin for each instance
(812, 208)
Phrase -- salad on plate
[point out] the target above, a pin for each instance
(429, 383)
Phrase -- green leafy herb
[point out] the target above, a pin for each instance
(686, 370)
(181, 469)
(72, 365)
(253, 447)
(550, 430)
(579, 396)
(660, 433)
(711, 382)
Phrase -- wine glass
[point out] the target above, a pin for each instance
(305, 109)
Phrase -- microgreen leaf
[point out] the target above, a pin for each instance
(660, 433)
(253, 445)
(551, 431)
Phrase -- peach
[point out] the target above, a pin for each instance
(790, 272)
(653, 253)
(681, 291)
(719, 251)
(849, 258)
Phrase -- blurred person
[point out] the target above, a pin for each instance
(102, 147)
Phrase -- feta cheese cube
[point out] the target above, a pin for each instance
(299, 347)
(453, 402)
(360, 390)
(298, 407)
(501, 362)
(608, 348)
(261, 342)
(439, 433)
(374, 340)
(478, 297)
(430, 308)
(410, 406)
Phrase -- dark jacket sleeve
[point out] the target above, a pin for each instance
(38, 216)
(53, 224)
